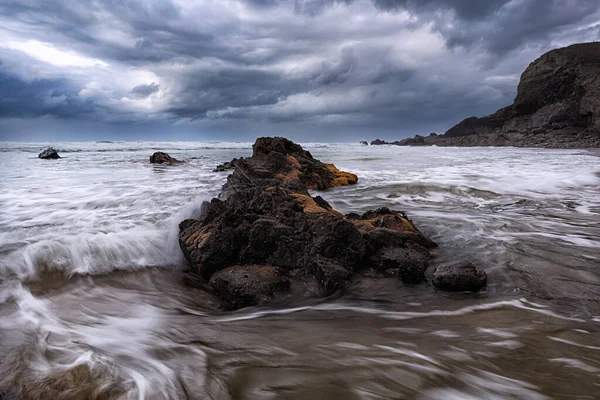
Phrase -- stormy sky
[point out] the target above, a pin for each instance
(312, 70)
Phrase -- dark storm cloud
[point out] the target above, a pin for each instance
(464, 9)
(145, 90)
(205, 90)
(406, 65)
(40, 97)
(499, 26)
(520, 23)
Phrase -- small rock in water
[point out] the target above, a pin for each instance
(162, 158)
(364, 142)
(459, 276)
(49, 154)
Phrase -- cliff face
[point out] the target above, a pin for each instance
(557, 105)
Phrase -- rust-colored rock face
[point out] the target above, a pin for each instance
(341, 178)
(270, 229)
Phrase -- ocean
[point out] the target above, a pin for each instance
(95, 302)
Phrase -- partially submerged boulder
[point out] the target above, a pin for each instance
(243, 285)
(364, 142)
(163, 158)
(459, 277)
(49, 154)
(270, 228)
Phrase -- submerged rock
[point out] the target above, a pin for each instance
(163, 158)
(269, 227)
(242, 286)
(49, 154)
(378, 142)
(364, 142)
(458, 277)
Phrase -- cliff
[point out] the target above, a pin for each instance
(557, 105)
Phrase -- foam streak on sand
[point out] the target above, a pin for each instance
(522, 304)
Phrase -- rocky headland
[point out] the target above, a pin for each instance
(267, 236)
(557, 106)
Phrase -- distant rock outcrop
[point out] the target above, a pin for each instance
(364, 142)
(49, 154)
(270, 232)
(163, 158)
(557, 105)
(377, 142)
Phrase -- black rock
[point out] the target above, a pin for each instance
(269, 227)
(408, 264)
(49, 154)
(459, 276)
(226, 166)
(364, 142)
(243, 286)
(163, 158)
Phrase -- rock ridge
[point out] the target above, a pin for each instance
(267, 234)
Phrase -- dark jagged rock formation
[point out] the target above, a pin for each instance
(378, 142)
(226, 166)
(416, 141)
(557, 105)
(49, 154)
(163, 158)
(459, 277)
(270, 232)
(364, 142)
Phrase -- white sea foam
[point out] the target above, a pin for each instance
(104, 207)
(94, 212)
(116, 350)
(522, 304)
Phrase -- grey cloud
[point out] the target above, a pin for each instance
(145, 90)
(202, 91)
(338, 72)
(40, 97)
(307, 7)
(521, 23)
(279, 63)
(464, 9)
